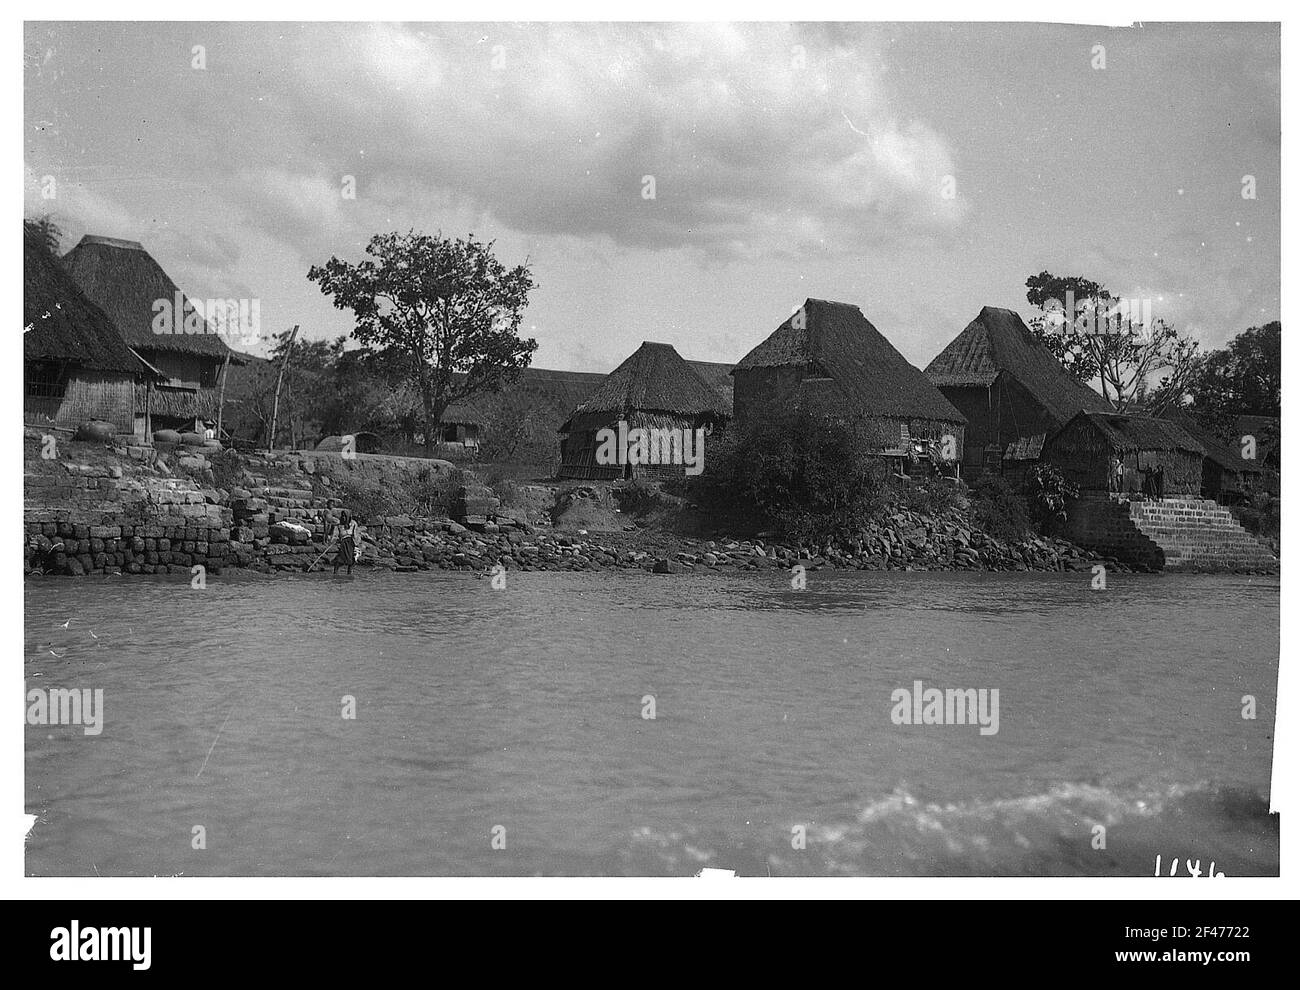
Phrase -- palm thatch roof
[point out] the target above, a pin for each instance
(654, 380)
(1125, 433)
(997, 342)
(124, 279)
(61, 324)
(834, 341)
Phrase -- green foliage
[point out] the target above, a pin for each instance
(814, 478)
(637, 498)
(1243, 378)
(1261, 514)
(998, 509)
(427, 494)
(228, 468)
(1100, 339)
(446, 309)
(1045, 491)
(933, 498)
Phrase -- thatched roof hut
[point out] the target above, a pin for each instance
(653, 389)
(1088, 448)
(61, 324)
(1008, 385)
(76, 366)
(124, 279)
(1225, 475)
(128, 284)
(827, 358)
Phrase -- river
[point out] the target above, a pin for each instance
(503, 732)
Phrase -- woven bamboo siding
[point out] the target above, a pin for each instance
(88, 395)
(1084, 456)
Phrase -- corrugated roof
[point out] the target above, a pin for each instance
(996, 342)
(125, 281)
(61, 324)
(833, 340)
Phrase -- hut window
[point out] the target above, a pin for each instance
(46, 380)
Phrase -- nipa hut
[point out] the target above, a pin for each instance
(654, 389)
(1009, 387)
(1091, 446)
(1226, 476)
(828, 359)
(76, 366)
(133, 289)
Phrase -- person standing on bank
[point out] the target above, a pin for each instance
(345, 531)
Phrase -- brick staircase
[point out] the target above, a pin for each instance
(1200, 534)
(1171, 534)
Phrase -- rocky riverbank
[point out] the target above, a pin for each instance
(99, 510)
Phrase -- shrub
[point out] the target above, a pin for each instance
(1260, 514)
(815, 478)
(636, 497)
(934, 498)
(1045, 491)
(998, 509)
(228, 468)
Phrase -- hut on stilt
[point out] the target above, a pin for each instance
(653, 390)
(163, 327)
(828, 360)
(76, 366)
(1011, 389)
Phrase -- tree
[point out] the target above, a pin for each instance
(1244, 378)
(1097, 337)
(47, 231)
(448, 308)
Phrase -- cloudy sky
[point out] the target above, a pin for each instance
(919, 171)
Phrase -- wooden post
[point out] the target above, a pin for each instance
(275, 407)
(221, 400)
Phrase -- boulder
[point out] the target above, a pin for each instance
(166, 436)
(95, 430)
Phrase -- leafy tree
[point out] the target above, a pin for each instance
(448, 309)
(1244, 378)
(1097, 337)
(46, 230)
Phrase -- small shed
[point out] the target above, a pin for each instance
(1116, 452)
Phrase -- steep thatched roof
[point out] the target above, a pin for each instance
(61, 324)
(123, 278)
(655, 379)
(996, 342)
(837, 342)
(1126, 433)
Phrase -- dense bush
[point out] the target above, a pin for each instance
(934, 498)
(1260, 514)
(636, 497)
(998, 509)
(228, 468)
(1045, 491)
(811, 477)
(427, 494)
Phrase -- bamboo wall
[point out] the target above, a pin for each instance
(89, 395)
